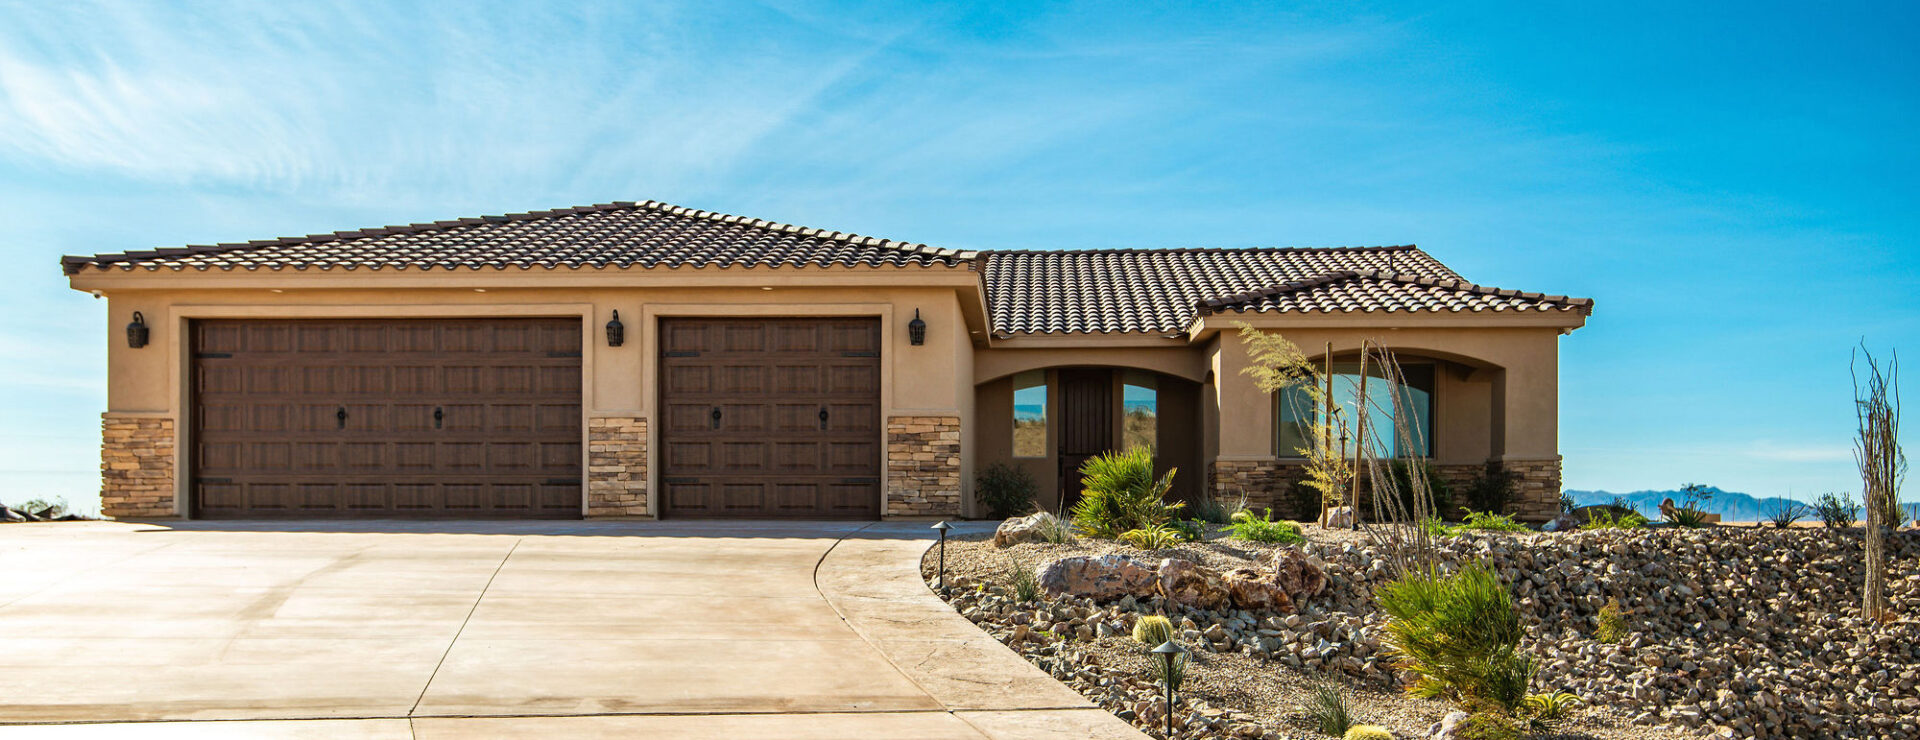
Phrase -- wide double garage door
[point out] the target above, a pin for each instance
(480, 418)
(455, 418)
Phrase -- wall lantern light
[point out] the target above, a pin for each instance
(137, 331)
(917, 329)
(616, 332)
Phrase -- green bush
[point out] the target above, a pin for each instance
(1216, 510)
(1328, 708)
(1544, 710)
(1482, 521)
(1265, 528)
(1156, 537)
(1005, 490)
(1613, 623)
(1491, 489)
(1837, 511)
(1688, 511)
(1304, 501)
(1490, 726)
(1152, 630)
(1402, 476)
(1367, 732)
(1603, 519)
(1459, 635)
(1120, 494)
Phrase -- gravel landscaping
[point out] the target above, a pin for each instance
(1731, 631)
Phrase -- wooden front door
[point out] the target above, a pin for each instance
(457, 418)
(770, 418)
(1086, 424)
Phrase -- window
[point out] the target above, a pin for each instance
(1140, 407)
(1296, 413)
(1030, 414)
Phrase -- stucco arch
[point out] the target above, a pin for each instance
(1179, 362)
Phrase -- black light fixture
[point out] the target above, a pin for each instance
(942, 528)
(917, 329)
(137, 331)
(1168, 652)
(616, 332)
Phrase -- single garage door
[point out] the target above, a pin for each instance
(453, 418)
(770, 418)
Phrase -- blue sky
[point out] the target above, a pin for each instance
(1734, 186)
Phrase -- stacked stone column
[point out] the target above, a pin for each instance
(923, 466)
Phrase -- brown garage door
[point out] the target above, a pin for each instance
(459, 418)
(771, 418)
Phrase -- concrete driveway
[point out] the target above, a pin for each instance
(404, 629)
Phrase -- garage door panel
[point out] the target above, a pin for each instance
(770, 455)
(270, 442)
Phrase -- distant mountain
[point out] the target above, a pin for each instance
(1732, 506)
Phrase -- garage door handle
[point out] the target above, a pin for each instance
(716, 417)
(823, 417)
(341, 416)
(437, 416)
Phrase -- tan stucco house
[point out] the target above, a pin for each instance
(648, 360)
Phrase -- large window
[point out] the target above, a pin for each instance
(1296, 413)
(1030, 414)
(1140, 403)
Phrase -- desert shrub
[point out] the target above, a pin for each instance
(1367, 732)
(1490, 726)
(1784, 512)
(1156, 537)
(1264, 528)
(1303, 500)
(1480, 521)
(1458, 634)
(1120, 494)
(1024, 581)
(1567, 504)
(1492, 489)
(1837, 511)
(1218, 510)
(1604, 519)
(1689, 511)
(1005, 490)
(1542, 711)
(1403, 484)
(1170, 673)
(1328, 709)
(1152, 630)
(1613, 623)
(1055, 530)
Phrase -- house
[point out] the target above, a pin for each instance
(648, 360)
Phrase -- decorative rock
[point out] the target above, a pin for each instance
(1192, 585)
(1298, 573)
(1020, 529)
(1255, 591)
(1448, 728)
(1099, 578)
(1562, 523)
(1338, 517)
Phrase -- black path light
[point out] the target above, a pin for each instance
(942, 528)
(917, 329)
(616, 331)
(1168, 652)
(137, 331)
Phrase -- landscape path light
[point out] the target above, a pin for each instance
(1167, 652)
(942, 528)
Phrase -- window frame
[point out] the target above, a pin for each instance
(1432, 415)
(1046, 413)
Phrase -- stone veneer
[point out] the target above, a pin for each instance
(136, 466)
(616, 466)
(1267, 483)
(923, 466)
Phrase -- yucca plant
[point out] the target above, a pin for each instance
(1328, 708)
(1157, 537)
(1120, 494)
(1024, 581)
(1458, 634)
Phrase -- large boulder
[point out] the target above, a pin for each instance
(1191, 584)
(1448, 728)
(1021, 529)
(1298, 573)
(1102, 578)
(1338, 517)
(1253, 590)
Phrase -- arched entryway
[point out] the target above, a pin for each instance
(1049, 421)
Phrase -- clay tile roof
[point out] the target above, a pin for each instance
(621, 234)
(1349, 291)
(1163, 290)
